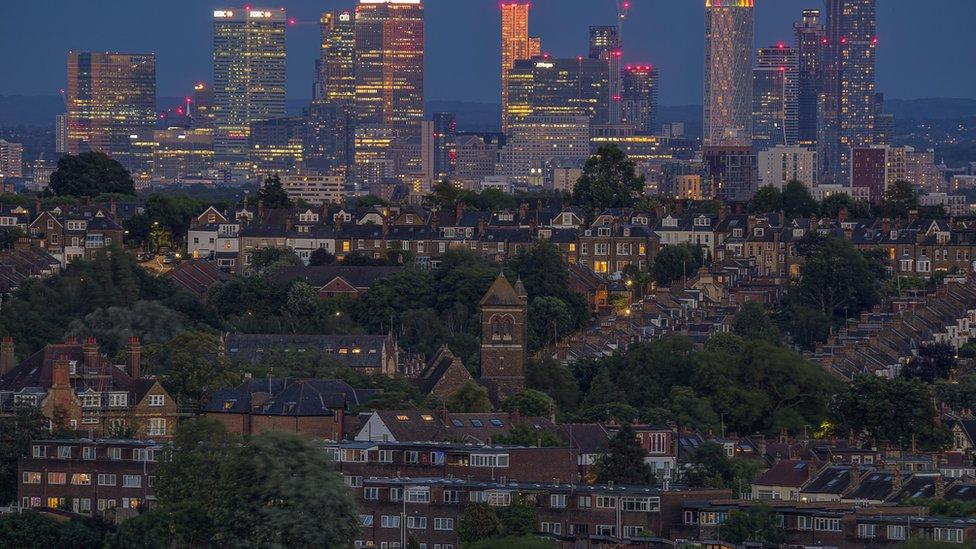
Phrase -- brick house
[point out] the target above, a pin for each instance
(111, 479)
(75, 385)
(429, 425)
(443, 375)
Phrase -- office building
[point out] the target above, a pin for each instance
(277, 145)
(731, 172)
(516, 45)
(182, 154)
(848, 101)
(11, 160)
(810, 37)
(202, 106)
(605, 45)
(335, 69)
(376, 149)
(884, 123)
(780, 165)
(536, 140)
(329, 135)
(315, 190)
(390, 63)
(878, 167)
(728, 72)
(775, 98)
(558, 87)
(439, 145)
(249, 80)
(61, 133)
(638, 106)
(111, 102)
(869, 171)
(476, 159)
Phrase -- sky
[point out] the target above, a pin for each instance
(926, 47)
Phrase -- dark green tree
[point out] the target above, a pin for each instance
(517, 520)
(933, 362)
(609, 180)
(90, 174)
(898, 411)
(268, 259)
(321, 256)
(554, 379)
(478, 521)
(752, 322)
(26, 423)
(710, 467)
(272, 194)
(797, 201)
(837, 278)
(768, 199)
(832, 205)
(32, 530)
(530, 403)
(470, 397)
(525, 434)
(900, 198)
(756, 524)
(675, 262)
(549, 320)
(191, 365)
(623, 462)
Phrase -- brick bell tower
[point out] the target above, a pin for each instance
(503, 315)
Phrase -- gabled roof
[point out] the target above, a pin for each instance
(38, 371)
(197, 276)
(318, 276)
(501, 293)
(789, 473)
(353, 351)
(286, 397)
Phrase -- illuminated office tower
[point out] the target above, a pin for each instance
(558, 87)
(775, 98)
(638, 106)
(11, 159)
(848, 101)
(61, 133)
(181, 155)
(537, 140)
(439, 146)
(516, 45)
(390, 64)
(277, 145)
(336, 66)
(728, 72)
(249, 79)
(810, 51)
(605, 45)
(202, 107)
(329, 134)
(111, 104)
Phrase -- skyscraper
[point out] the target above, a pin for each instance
(558, 87)
(810, 50)
(848, 102)
(249, 79)
(728, 72)
(390, 64)
(202, 111)
(111, 103)
(61, 133)
(516, 45)
(775, 111)
(638, 105)
(605, 45)
(335, 77)
(11, 160)
(440, 146)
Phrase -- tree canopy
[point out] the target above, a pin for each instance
(90, 174)
(609, 180)
(623, 462)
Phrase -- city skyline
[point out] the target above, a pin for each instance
(463, 49)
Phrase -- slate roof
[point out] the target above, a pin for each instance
(791, 473)
(428, 425)
(831, 480)
(254, 347)
(287, 397)
(502, 293)
(873, 486)
(197, 276)
(318, 276)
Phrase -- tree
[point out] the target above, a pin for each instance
(797, 202)
(470, 397)
(833, 204)
(837, 278)
(756, 524)
(150, 321)
(549, 320)
(276, 489)
(957, 395)
(623, 462)
(90, 174)
(899, 199)
(933, 362)
(191, 365)
(321, 256)
(379, 309)
(524, 434)
(478, 521)
(517, 520)
(9, 236)
(302, 299)
(768, 199)
(609, 180)
(32, 530)
(272, 195)
(752, 322)
(677, 261)
(16, 432)
(709, 467)
(555, 380)
(529, 402)
(899, 411)
(268, 259)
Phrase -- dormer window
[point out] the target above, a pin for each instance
(603, 231)
(758, 231)
(703, 222)
(894, 235)
(737, 233)
(670, 222)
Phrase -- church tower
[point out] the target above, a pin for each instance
(503, 315)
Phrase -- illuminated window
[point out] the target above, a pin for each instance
(601, 266)
(427, 417)
(403, 418)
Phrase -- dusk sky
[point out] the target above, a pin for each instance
(926, 47)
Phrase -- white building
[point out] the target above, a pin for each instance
(537, 140)
(315, 189)
(954, 204)
(11, 160)
(780, 165)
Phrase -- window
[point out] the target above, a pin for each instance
(584, 502)
(633, 531)
(131, 481)
(691, 517)
(496, 460)
(601, 266)
(417, 523)
(157, 426)
(606, 530)
(499, 499)
(896, 532)
(411, 456)
(107, 479)
(353, 481)
(131, 503)
(552, 527)
(39, 451)
(365, 520)
(452, 496)
(91, 400)
(826, 524)
(385, 456)
(804, 523)
(601, 249)
(81, 479)
(557, 501)
(371, 494)
(446, 523)
(118, 399)
(396, 494)
(55, 503)
(57, 478)
(31, 477)
(606, 502)
(418, 495)
(390, 521)
(645, 505)
(866, 531)
(88, 452)
(64, 452)
(114, 453)
(157, 400)
(951, 535)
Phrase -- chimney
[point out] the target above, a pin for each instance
(70, 340)
(784, 437)
(133, 358)
(523, 212)
(289, 223)
(515, 416)
(896, 480)
(842, 214)
(458, 212)
(7, 361)
(60, 377)
(442, 415)
(855, 478)
(113, 209)
(91, 353)
(940, 487)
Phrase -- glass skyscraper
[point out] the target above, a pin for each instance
(112, 105)
(249, 79)
(728, 72)
(558, 87)
(336, 66)
(775, 97)
(639, 97)
(516, 45)
(810, 50)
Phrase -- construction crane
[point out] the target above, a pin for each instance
(623, 6)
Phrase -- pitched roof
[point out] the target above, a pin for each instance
(318, 276)
(197, 276)
(353, 351)
(286, 397)
(792, 473)
(428, 425)
(501, 292)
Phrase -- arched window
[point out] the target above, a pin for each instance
(496, 329)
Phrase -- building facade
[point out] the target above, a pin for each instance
(516, 45)
(775, 98)
(728, 72)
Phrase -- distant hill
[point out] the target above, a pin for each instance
(930, 109)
